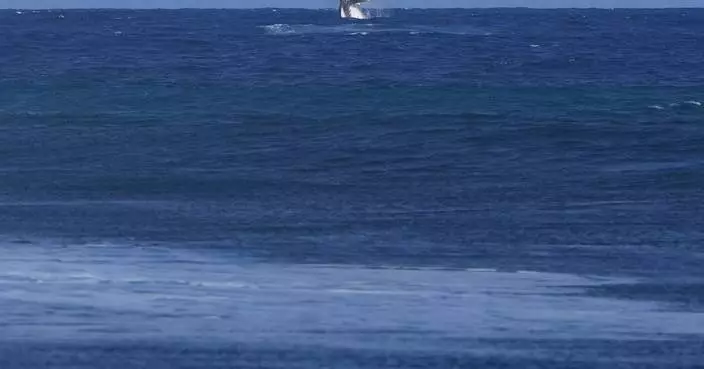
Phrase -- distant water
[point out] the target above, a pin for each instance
(282, 189)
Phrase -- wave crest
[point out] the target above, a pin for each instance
(365, 28)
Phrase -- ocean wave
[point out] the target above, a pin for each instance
(365, 28)
(678, 105)
(106, 286)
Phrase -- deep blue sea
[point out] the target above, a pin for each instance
(427, 189)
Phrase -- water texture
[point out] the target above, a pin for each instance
(283, 189)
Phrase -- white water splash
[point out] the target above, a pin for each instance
(379, 13)
(279, 29)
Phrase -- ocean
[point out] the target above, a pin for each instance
(277, 188)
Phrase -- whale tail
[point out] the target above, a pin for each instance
(350, 9)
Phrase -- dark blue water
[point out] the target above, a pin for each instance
(467, 188)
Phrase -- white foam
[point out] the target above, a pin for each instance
(358, 28)
(138, 291)
(279, 29)
(482, 270)
(686, 103)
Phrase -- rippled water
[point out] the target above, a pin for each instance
(259, 188)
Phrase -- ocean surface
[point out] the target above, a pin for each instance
(426, 189)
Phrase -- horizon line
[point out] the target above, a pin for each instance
(371, 7)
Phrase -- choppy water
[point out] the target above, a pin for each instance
(429, 189)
